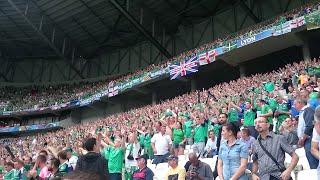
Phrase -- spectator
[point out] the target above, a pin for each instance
(132, 152)
(200, 131)
(266, 112)
(289, 131)
(249, 116)
(161, 144)
(305, 127)
(53, 168)
(93, 162)
(21, 173)
(116, 156)
(222, 121)
(175, 172)
(247, 139)
(9, 171)
(178, 139)
(282, 112)
(269, 154)
(64, 167)
(211, 145)
(315, 148)
(72, 159)
(143, 173)
(233, 155)
(198, 170)
(41, 164)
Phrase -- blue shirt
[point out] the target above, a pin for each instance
(294, 111)
(231, 158)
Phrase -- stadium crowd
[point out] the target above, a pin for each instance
(235, 121)
(245, 124)
(37, 97)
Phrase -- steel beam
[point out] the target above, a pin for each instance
(250, 12)
(287, 6)
(140, 28)
(45, 38)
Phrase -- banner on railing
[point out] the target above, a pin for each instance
(295, 23)
(282, 29)
(28, 128)
(183, 68)
(254, 38)
(229, 46)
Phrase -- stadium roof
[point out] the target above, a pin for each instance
(68, 28)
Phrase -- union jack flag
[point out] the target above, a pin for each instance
(183, 68)
(207, 57)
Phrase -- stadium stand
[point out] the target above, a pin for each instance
(179, 126)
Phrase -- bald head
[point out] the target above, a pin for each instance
(193, 156)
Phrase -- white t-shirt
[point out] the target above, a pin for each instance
(161, 143)
(211, 144)
(73, 161)
(135, 154)
(315, 136)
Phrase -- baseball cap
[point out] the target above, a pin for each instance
(142, 157)
(173, 157)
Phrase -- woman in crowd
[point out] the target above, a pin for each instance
(178, 139)
(233, 155)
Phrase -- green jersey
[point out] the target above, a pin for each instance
(249, 117)
(281, 117)
(115, 163)
(199, 132)
(105, 152)
(178, 136)
(141, 139)
(273, 103)
(187, 129)
(147, 140)
(10, 175)
(63, 168)
(215, 128)
(264, 110)
(233, 115)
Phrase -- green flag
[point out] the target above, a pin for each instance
(313, 20)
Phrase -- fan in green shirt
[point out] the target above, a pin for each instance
(272, 103)
(141, 139)
(147, 145)
(105, 152)
(233, 115)
(10, 172)
(187, 128)
(116, 157)
(249, 117)
(178, 136)
(266, 111)
(199, 132)
(283, 113)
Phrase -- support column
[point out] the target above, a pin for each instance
(306, 50)
(193, 85)
(76, 116)
(242, 71)
(154, 98)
